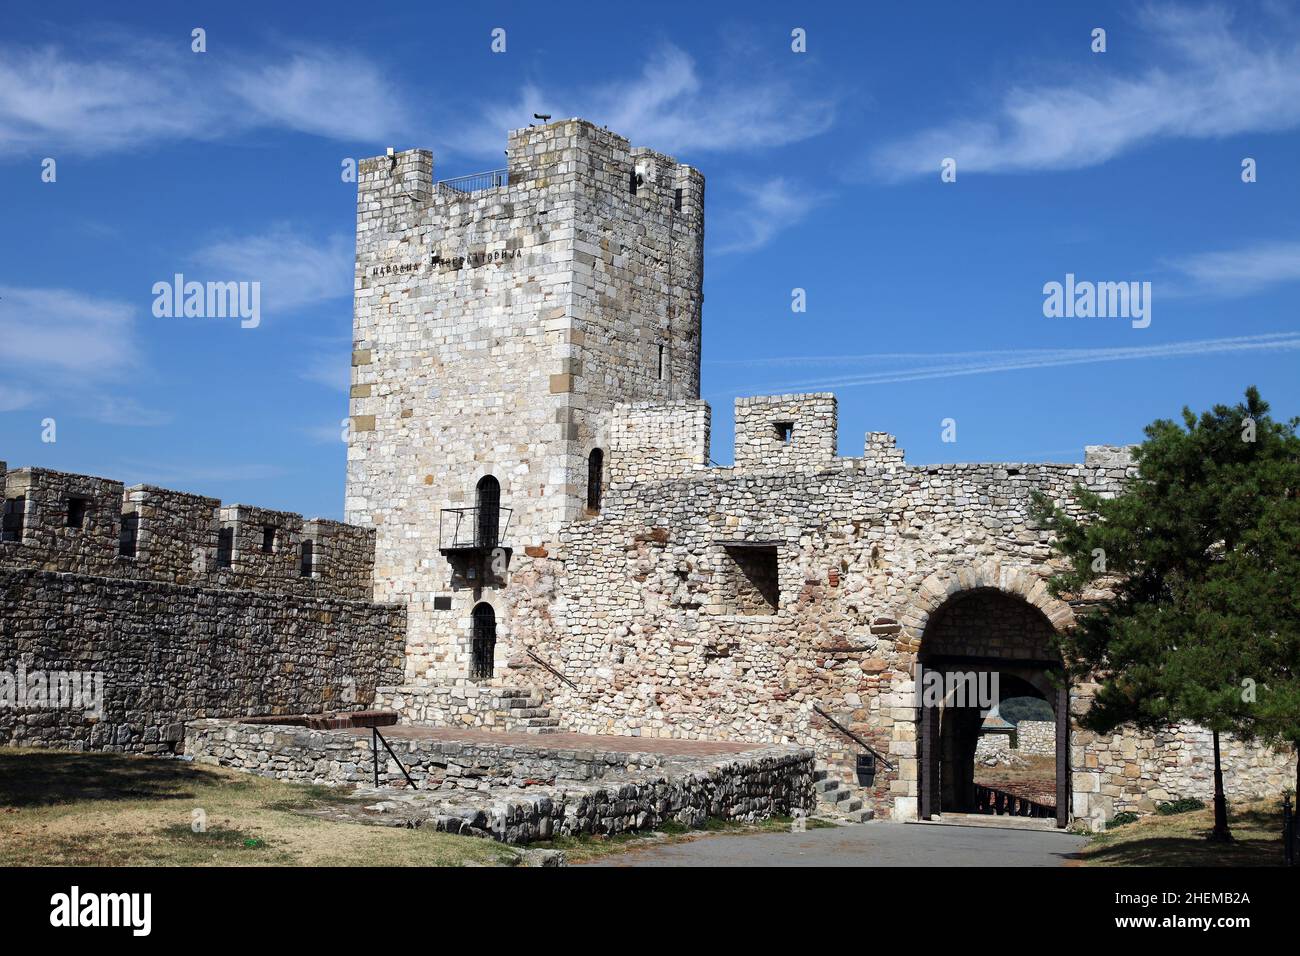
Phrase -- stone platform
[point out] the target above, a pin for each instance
(519, 787)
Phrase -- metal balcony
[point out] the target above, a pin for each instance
(464, 531)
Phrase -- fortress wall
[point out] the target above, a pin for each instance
(176, 538)
(663, 625)
(786, 432)
(655, 441)
(167, 653)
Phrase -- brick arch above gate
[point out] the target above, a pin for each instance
(1023, 583)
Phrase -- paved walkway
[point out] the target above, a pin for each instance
(878, 843)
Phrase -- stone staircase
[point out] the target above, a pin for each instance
(526, 711)
(836, 802)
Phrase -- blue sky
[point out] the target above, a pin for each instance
(924, 298)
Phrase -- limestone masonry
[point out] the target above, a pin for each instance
(537, 539)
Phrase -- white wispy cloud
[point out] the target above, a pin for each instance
(763, 209)
(957, 364)
(1241, 271)
(66, 346)
(670, 106)
(60, 331)
(144, 93)
(294, 268)
(1216, 82)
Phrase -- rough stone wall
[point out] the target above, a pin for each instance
(1036, 737)
(520, 794)
(171, 635)
(169, 653)
(871, 554)
(786, 432)
(494, 330)
(656, 442)
(177, 539)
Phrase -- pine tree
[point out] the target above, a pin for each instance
(1202, 554)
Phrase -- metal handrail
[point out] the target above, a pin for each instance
(529, 652)
(377, 737)
(474, 182)
(861, 743)
(474, 537)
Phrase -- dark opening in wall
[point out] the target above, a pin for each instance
(663, 361)
(483, 641)
(442, 604)
(12, 528)
(268, 539)
(487, 497)
(305, 568)
(633, 181)
(595, 472)
(752, 579)
(225, 547)
(128, 541)
(784, 432)
(77, 508)
(677, 200)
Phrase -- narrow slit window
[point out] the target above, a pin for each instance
(268, 539)
(225, 547)
(677, 200)
(663, 361)
(595, 472)
(305, 566)
(128, 541)
(633, 180)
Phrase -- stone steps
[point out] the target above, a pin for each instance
(836, 802)
(527, 710)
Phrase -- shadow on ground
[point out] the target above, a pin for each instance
(1257, 842)
(39, 778)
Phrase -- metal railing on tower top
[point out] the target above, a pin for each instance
(474, 182)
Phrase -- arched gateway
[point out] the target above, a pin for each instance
(984, 636)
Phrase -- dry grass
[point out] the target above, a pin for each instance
(71, 809)
(1180, 840)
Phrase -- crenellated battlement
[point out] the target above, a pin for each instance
(785, 436)
(63, 522)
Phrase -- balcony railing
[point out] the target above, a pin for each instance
(474, 182)
(472, 529)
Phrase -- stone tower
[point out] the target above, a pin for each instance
(498, 318)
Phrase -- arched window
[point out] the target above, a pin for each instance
(595, 469)
(483, 643)
(488, 500)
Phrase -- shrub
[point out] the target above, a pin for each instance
(1185, 805)
(1120, 819)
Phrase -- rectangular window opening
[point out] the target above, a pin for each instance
(633, 181)
(663, 361)
(14, 511)
(752, 575)
(677, 200)
(442, 603)
(268, 539)
(784, 432)
(77, 508)
(225, 547)
(128, 542)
